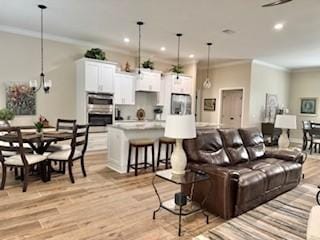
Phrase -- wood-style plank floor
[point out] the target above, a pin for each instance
(104, 205)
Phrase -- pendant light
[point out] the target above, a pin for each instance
(46, 84)
(179, 35)
(207, 82)
(139, 49)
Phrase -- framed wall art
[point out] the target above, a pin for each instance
(20, 99)
(308, 106)
(209, 104)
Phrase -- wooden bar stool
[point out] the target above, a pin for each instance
(140, 143)
(168, 142)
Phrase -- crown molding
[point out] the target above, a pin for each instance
(306, 69)
(226, 64)
(270, 65)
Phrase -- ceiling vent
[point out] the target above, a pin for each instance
(228, 31)
(276, 3)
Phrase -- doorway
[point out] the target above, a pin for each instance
(231, 108)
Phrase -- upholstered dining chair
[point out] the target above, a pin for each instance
(315, 137)
(66, 125)
(14, 155)
(77, 150)
(306, 127)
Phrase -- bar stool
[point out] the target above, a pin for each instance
(140, 143)
(168, 142)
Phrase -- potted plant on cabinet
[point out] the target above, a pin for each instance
(96, 53)
(148, 64)
(6, 115)
(177, 69)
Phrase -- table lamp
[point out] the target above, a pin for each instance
(179, 127)
(285, 122)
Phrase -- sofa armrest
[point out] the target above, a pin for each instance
(287, 155)
(223, 189)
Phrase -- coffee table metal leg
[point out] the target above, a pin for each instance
(180, 213)
(160, 203)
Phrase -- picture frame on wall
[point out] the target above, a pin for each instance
(209, 104)
(308, 106)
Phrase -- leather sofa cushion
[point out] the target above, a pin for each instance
(234, 146)
(252, 185)
(207, 148)
(253, 141)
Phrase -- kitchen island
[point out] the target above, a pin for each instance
(119, 135)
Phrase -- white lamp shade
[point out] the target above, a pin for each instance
(180, 127)
(286, 122)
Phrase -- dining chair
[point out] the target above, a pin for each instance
(66, 125)
(18, 157)
(315, 137)
(306, 127)
(77, 150)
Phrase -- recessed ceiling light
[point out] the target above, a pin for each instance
(126, 40)
(163, 49)
(278, 26)
(191, 56)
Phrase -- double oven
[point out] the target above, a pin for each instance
(99, 111)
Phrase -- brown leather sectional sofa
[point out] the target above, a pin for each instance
(242, 173)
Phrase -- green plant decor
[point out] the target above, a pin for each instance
(177, 69)
(39, 126)
(6, 115)
(148, 64)
(96, 53)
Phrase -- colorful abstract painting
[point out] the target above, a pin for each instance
(20, 99)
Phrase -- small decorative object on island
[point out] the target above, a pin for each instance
(157, 113)
(95, 53)
(6, 115)
(148, 64)
(141, 114)
(127, 68)
(179, 127)
(285, 122)
(308, 106)
(21, 99)
(209, 104)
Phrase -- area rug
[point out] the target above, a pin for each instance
(284, 217)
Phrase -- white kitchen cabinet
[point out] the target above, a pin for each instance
(98, 76)
(182, 85)
(161, 96)
(148, 81)
(124, 89)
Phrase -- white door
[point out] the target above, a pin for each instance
(186, 83)
(91, 76)
(176, 85)
(162, 94)
(105, 83)
(231, 108)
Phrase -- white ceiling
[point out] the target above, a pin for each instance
(107, 22)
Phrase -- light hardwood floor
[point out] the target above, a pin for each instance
(104, 205)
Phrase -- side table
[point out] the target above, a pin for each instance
(189, 178)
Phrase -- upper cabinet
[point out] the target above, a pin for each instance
(181, 85)
(124, 93)
(161, 96)
(148, 81)
(98, 76)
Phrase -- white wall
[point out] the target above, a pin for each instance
(20, 62)
(227, 77)
(266, 79)
(304, 83)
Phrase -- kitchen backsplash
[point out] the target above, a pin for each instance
(144, 100)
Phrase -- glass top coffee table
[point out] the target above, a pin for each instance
(182, 204)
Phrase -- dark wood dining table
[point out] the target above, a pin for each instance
(40, 142)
